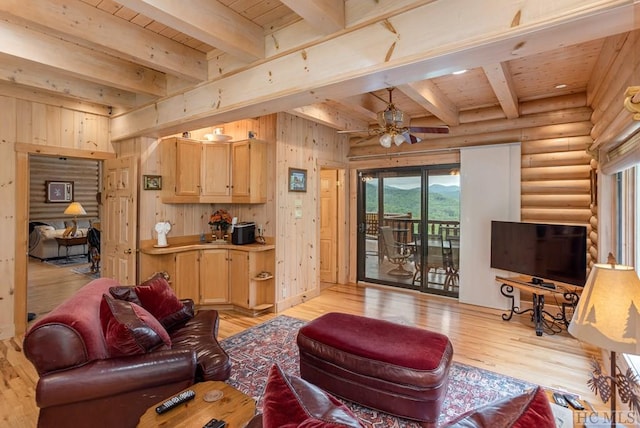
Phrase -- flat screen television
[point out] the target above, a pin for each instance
(553, 252)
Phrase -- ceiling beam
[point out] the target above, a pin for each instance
(209, 21)
(431, 98)
(326, 16)
(80, 22)
(45, 78)
(78, 61)
(31, 94)
(500, 80)
(377, 56)
(328, 116)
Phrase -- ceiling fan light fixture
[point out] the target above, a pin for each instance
(399, 139)
(385, 141)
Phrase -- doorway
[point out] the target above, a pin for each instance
(409, 228)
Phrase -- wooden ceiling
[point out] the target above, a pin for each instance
(121, 57)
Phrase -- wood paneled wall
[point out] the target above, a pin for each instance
(32, 127)
(85, 175)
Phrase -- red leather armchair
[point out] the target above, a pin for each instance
(81, 385)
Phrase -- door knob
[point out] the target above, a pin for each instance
(128, 251)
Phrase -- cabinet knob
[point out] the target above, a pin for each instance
(127, 251)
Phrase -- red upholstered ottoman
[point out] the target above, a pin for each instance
(390, 367)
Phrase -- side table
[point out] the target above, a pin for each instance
(234, 407)
(70, 242)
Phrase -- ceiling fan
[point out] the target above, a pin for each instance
(392, 128)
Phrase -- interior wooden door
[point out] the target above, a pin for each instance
(328, 225)
(119, 226)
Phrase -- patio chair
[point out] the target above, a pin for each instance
(396, 253)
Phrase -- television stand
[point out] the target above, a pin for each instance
(538, 290)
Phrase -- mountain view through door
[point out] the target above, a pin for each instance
(409, 234)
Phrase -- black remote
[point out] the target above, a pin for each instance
(560, 400)
(573, 401)
(172, 402)
(215, 423)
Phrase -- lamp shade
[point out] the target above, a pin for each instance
(75, 208)
(608, 314)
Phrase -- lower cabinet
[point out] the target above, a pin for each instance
(219, 276)
(214, 276)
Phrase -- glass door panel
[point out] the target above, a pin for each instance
(389, 221)
(408, 234)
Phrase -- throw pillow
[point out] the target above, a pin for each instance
(156, 296)
(129, 329)
(290, 401)
(529, 409)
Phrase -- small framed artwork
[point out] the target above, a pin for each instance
(59, 191)
(297, 180)
(152, 182)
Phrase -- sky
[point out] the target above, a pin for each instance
(413, 182)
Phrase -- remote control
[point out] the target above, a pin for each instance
(215, 423)
(560, 400)
(574, 402)
(183, 397)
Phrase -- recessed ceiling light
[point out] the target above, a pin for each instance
(561, 86)
(459, 72)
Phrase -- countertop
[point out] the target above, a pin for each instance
(186, 243)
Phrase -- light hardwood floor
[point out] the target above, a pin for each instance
(479, 336)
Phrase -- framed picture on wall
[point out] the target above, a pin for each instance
(59, 191)
(297, 180)
(152, 182)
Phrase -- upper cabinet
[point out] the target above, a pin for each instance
(212, 172)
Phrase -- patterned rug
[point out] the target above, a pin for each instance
(67, 261)
(255, 350)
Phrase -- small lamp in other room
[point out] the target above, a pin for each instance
(608, 316)
(75, 209)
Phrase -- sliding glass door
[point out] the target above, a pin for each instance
(409, 230)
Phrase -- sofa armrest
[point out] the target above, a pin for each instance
(114, 376)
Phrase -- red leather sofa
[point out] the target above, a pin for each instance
(87, 382)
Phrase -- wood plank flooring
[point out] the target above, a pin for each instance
(479, 336)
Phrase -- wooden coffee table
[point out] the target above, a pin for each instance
(234, 407)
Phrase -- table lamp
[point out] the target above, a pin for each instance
(608, 316)
(74, 209)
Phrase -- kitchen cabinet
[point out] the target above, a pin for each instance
(214, 276)
(213, 172)
(238, 276)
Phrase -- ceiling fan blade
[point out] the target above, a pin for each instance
(413, 139)
(429, 129)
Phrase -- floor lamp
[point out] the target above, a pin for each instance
(608, 316)
(75, 209)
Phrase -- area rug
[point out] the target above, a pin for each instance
(68, 261)
(86, 270)
(256, 349)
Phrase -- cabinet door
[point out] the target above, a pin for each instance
(214, 276)
(187, 277)
(239, 277)
(215, 169)
(240, 169)
(188, 161)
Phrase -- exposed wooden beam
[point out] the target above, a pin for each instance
(209, 21)
(80, 22)
(431, 98)
(78, 61)
(502, 84)
(325, 115)
(28, 93)
(358, 105)
(45, 78)
(327, 16)
(378, 56)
